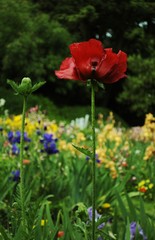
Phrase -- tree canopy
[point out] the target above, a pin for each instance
(35, 35)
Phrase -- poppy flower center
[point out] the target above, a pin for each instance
(94, 64)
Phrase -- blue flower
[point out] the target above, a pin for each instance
(97, 217)
(15, 149)
(15, 137)
(48, 137)
(10, 136)
(133, 227)
(16, 175)
(49, 144)
(50, 147)
(96, 156)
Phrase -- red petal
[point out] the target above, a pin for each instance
(118, 71)
(60, 234)
(85, 53)
(107, 63)
(68, 70)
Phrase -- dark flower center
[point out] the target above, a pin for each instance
(94, 63)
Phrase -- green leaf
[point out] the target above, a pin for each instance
(143, 215)
(3, 234)
(101, 85)
(122, 206)
(131, 207)
(21, 234)
(85, 151)
(111, 235)
(13, 85)
(37, 85)
(127, 232)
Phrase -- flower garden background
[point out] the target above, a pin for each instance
(77, 158)
(58, 177)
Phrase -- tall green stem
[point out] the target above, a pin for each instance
(21, 164)
(93, 157)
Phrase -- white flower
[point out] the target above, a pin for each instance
(82, 122)
(2, 102)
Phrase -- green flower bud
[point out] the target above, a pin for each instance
(25, 88)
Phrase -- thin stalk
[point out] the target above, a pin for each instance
(93, 157)
(21, 164)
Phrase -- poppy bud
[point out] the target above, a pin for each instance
(25, 88)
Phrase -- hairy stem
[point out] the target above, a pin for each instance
(21, 164)
(93, 157)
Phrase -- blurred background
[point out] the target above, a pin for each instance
(34, 39)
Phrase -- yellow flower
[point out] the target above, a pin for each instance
(53, 127)
(43, 222)
(80, 137)
(147, 180)
(149, 152)
(106, 205)
(141, 183)
(150, 186)
(62, 145)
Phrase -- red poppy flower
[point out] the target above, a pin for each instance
(91, 61)
(142, 189)
(26, 161)
(60, 234)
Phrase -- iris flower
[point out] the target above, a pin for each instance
(15, 149)
(133, 227)
(16, 175)
(90, 60)
(97, 217)
(15, 137)
(49, 144)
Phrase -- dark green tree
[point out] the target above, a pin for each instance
(31, 43)
(139, 89)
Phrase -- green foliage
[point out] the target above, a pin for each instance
(85, 151)
(14, 103)
(61, 113)
(139, 88)
(31, 43)
(58, 186)
(133, 210)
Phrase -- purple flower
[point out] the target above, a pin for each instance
(15, 149)
(97, 217)
(96, 156)
(10, 136)
(133, 227)
(50, 148)
(16, 175)
(15, 137)
(90, 214)
(49, 144)
(132, 230)
(48, 137)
